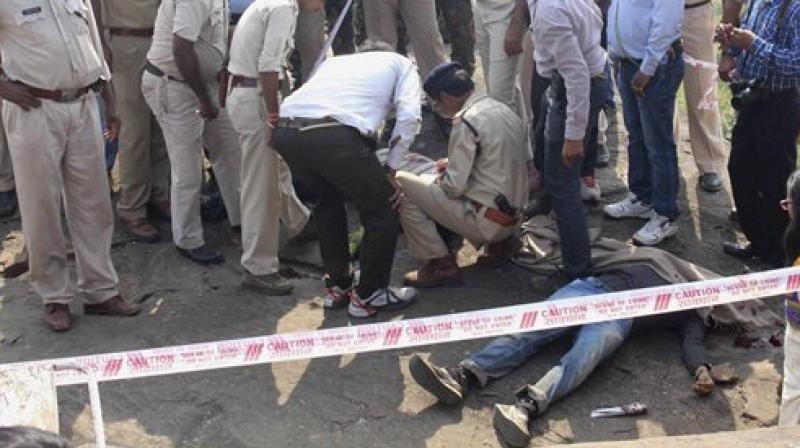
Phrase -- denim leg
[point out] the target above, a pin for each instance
(504, 354)
(638, 163)
(594, 344)
(656, 106)
(609, 102)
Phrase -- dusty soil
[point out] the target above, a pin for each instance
(370, 400)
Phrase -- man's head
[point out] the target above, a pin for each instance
(449, 86)
(311, 5)
(24, 437)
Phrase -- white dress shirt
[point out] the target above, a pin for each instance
(567, 40)
(644, 30)
(360, 90)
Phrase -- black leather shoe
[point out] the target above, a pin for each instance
(740, 251)
(204, 254)
(8, 203)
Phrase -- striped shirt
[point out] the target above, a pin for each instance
(793, 305)
(772, 58)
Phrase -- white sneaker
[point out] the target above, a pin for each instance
(630, 207)
(590, 189)
(384, 299)
(656, 230)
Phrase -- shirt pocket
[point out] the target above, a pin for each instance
(31, 17)
(78, 13)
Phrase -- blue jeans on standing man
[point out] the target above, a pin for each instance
(563, 182)
(593, 344)
(652, 153)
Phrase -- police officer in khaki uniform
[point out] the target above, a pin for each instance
(421, 24)
(483, 184)
(8, 198)
(259, 51)
(143, 161)
(53, 64)
(181, 85)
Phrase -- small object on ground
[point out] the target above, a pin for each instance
(724, 374)
(157, 307)
(632, 409)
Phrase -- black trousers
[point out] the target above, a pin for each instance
(763, 156)
(690, 328)
(333, 164)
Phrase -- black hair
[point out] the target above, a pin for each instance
(27, 437)
(791, 239)
(375, 45)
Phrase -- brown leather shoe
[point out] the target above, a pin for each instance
(160, 210)
(114, 306)
(141, 230)
(498, 254)
(437, 272)
(57, 316)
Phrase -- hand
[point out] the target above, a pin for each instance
(722, 32)
(726, 67)
(19, 95)
(113, 124)
(513, 41)
(572, 151)
(398, 197)
(208, 110)
(441, 165)
(639, 83)
(739, 38)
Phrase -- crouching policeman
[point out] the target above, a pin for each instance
(482, 185)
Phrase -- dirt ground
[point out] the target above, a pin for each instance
(370, 400)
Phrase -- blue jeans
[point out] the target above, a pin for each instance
(652, 154)
(112, 147)
(593, 344)
(563, 182)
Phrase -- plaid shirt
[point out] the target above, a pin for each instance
(773, 57)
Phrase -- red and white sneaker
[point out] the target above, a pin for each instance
(590, 189)
(335, 297)
(384, 299)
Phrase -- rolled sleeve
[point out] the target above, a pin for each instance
(666, 27)
(280, 28)
(190, 15)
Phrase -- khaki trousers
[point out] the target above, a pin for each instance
(6, 169)
(790, 400)
(421, 24)
(143, 161)
(58, 155)
(309, 38)
(499, 69)
(427, 204)
(268, 196)
(186, 133)
(705, 130)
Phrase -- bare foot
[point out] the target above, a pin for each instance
(703, 383)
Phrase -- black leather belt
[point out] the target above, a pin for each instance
(674, 50)
(697, 5)
(304, 123)
(153, 70)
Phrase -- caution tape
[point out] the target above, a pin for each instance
(424, 331)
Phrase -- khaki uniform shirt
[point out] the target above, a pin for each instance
(135, 14)
(263, 37)
(51, 44)
(493, 162)
(204, 22)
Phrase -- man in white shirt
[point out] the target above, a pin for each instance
(326, 134)
(568, 53)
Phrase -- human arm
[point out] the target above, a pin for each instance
(113, 123)
(274, 50)
(462, 151)
(189, 15)
(520, 19)
(666, 24)
(408, 113)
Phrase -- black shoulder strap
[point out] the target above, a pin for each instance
(475, 134)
